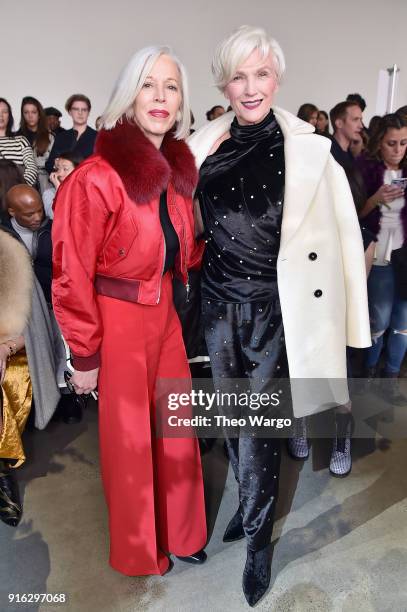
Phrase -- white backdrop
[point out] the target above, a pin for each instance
(51, 50)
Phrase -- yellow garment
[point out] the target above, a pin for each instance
(17, 398)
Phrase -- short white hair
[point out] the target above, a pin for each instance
(235, 49)
(132, 79)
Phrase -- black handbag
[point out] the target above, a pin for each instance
(399, 263)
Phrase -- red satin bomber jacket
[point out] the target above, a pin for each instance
(106, 242)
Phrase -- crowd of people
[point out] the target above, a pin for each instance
(97, 256)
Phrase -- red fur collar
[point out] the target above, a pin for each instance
(145, 170)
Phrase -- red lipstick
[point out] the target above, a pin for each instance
(160, 113)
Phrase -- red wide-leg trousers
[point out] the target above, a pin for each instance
(153, 486)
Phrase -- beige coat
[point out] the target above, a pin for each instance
(319, 217)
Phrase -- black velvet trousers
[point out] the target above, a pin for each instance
(246, 341)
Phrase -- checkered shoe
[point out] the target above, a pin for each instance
(297, 446)
(341, 458)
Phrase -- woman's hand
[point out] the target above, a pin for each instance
(54, 180)
(384, 195)
(4, 353)
(387, 193)
(85, 382)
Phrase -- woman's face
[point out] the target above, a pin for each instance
(322, 122)
(31, 116)
(63, 167)
(313, 118)
(4, 116)
(393, 147)
(156, 106)
(251, 89)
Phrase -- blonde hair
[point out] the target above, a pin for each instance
(130, 82)
(235, 49)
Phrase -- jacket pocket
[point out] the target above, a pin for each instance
(119, 244)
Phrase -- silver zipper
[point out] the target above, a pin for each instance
(162, 269)
(187, 285)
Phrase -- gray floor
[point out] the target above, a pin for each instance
(341, 545)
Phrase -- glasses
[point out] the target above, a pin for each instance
(79, 110)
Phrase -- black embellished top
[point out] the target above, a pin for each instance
(241, 194)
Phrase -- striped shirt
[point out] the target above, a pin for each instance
(18, 150)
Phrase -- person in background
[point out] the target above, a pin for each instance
(81, 138)
(27, 221)
(34, 126)
(16, 148)
(98, 123)
(347, 123)
(358, 144)
(385, 214)
(215, 112)
(64, 165)
(309, 113)
(10, 175)
(323, 124)
(54, 120)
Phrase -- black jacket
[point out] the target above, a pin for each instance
(66, 141)
(42, 254)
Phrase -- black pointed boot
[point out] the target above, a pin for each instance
(257, 574)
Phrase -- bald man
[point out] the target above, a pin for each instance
(29, 224)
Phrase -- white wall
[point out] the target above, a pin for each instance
(51, 50)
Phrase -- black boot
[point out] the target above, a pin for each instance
(391, 390)
(70, 408)
(196, 558)
(234, 530)
(10, 505)
(257, 574)
(365, 383)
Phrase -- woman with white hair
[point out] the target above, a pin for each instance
(123, 226)
(283, 279)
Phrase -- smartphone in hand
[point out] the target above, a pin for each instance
(399, 182)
